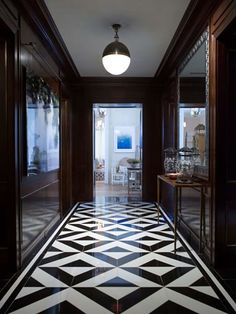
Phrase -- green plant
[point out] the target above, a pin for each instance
(133, 161)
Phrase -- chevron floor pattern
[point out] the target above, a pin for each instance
(116, 258)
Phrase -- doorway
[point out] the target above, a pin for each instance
(117, 150)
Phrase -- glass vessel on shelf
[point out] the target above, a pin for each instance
(170, 162)
(185, 165)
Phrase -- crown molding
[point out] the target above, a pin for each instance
(39, 18)
(193, 23)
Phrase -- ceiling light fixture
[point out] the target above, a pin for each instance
(116, 56)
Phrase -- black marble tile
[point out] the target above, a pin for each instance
(63, 308)
(59, 274)
(177, 257)
(89, 274)
(53, 258)
(103, 257)
(130, 257)
(33, 297)
(231, 284)
(170, 307)
(117, 282)
(135, 297)
(145, 274)
(202, 297)
(138, 245)
(99, 297)
(106, 285)
(174, 274)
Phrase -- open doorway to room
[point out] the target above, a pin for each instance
(117, 153)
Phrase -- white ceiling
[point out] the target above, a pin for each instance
(147, 29)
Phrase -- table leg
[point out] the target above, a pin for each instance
(202, 217)
(175, 216)
(158, 200)
(180, 199)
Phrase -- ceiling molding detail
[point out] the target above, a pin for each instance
(192, 25)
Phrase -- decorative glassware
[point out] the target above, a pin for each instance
(185, 165)
(170, 160)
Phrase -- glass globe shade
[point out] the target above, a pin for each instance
(116, 63)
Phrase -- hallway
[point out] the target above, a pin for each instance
(115, 258)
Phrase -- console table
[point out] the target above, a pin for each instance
(177, 201)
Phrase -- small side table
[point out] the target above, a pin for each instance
(134, 180)
(177, 201)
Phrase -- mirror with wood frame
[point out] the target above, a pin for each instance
(193, 104)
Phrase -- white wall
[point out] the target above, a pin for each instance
(122, 117)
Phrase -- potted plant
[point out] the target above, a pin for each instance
(134, 163)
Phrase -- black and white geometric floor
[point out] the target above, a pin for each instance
(116, 258)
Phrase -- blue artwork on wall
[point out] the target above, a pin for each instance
(124, 139)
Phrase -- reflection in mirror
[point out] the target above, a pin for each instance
(193, 104)
(42, 116)
(193, 133)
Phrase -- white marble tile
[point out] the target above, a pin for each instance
(159, 271)
(117, 292)
(154, 256)
(47, 280)
(63, 247)
(117, 255)
(187, 279)
(27, 291)
(206, 290)
(149, 304)
(136, 280)
(76, 271)
(190, 303)
(44, 304)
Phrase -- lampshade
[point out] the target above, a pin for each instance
(116, 56)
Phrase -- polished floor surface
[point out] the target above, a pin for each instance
(116, 258)
(102, 190)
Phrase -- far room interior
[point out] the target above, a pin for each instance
(117, 150)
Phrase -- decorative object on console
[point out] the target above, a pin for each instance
(185, 165)
(170, 160)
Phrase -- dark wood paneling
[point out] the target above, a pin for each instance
(40, 194)
(9, 15)
(192, 90)
(54, 57)
(8, 145)
(40, 20)
(3, 112)
(66, 155)
(194, 22)
(40, 209)
(224, 15)
(223, 97)
(115, 90)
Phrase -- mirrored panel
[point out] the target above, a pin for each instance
(42, 116)
(193, 104)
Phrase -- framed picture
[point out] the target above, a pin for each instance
(124, 139)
